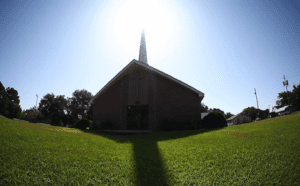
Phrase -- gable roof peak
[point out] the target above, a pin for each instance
(152, 69)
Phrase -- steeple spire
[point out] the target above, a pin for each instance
(143, 52)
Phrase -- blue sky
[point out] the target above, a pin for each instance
(225, 49)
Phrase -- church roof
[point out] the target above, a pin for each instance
(201, 94)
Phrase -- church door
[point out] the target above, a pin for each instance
(137, 117)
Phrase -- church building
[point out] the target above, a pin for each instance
(141, 97)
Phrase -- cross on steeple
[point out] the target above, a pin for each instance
(143, 52)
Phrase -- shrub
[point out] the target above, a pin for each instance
(64, 119)
(82, 123)
(214, 120)
(55, 120)
(93, 126)
(48, 121)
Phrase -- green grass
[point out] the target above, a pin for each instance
(260, 153)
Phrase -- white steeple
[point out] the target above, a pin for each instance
(143, 53)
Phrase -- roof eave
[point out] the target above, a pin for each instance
(201, 94)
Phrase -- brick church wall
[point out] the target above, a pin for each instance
(176, 103)
(107, 107)
(166, 100)
(124, 101)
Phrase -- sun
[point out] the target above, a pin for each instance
(151, 15)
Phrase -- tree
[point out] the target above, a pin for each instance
(80, 103)
(250, 111)
(58, 108)
(283, 98)
(13, 95)
(9, 102)
(45, 106)
(59, 105)
(203, 108)
(22, 115)
(30, 114)
(219, 111)
(255, 113)
(52, 107)
(14, 110)
(90, 113)
(66, 117)
(294, 98)
(3, 101)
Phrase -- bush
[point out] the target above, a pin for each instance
(214, 120)
(198, 125)
(64, 119)
(82, 123)
(93, 126)
(48, 121)
(55, 120)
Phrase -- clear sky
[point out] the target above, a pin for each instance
(225, 49)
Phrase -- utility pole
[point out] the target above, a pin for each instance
(286, 84)
(256, 100)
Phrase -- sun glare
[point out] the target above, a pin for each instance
(135, 15)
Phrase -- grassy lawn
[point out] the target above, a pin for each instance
(266, 152)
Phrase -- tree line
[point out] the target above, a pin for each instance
(204, 108)
(285, 98)
(54, 110)
(291, 98)
(58, 110)
(9, 102)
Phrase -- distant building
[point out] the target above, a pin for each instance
(280, 111)
(238, 119)
(203, 114)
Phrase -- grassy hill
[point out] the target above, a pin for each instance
(259, 153)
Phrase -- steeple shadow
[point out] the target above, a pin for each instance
(150, 169)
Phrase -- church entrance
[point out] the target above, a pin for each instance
(137, 117)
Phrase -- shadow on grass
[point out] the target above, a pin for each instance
(149, 164)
